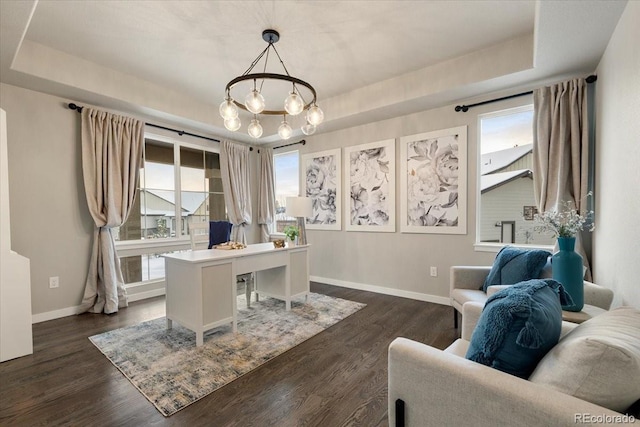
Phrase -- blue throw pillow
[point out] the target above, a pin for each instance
(514, 265)
(518, 326)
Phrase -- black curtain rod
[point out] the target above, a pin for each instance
(79, 108)
(302, 141)
(465, 108)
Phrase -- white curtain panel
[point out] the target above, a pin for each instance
(234, 167)
(266, 195)
(561, 149)
(111, 156)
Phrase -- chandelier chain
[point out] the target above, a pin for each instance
(255, 61)
(266, 61)
(281, 62)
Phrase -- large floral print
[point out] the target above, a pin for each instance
(371, 184)
(322, 185)
(434, 182)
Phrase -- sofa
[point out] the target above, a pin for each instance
(432, 387)
(466, 282)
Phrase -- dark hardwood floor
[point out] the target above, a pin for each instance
(336, 378)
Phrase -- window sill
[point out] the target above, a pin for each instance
(495, 247)
(126, 248)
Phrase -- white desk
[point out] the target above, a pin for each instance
(201, 285)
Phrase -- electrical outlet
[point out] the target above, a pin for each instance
(54, 282)
(434, 271)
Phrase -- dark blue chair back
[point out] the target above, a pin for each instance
(219, 232)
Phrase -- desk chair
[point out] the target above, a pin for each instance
(199, 234)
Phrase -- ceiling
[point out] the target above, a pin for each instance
(169, 61)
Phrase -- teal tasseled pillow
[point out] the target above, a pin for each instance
(514, 265)
(518, 326)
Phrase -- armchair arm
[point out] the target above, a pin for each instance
(443, 389)
(471, 312)
(597, 295)
(468, 277)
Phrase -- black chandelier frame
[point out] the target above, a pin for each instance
(271, 37)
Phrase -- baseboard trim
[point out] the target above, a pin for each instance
(72, 311)
(144, 295)
(55, 314)
(137, 296)
(383, 290)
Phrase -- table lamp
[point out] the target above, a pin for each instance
(300, 208)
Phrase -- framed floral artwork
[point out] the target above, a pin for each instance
(323, 184)
(370, 184)
(433, 186)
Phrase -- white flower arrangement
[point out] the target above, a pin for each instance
(566, 223)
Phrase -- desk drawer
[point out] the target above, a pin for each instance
(251, 263)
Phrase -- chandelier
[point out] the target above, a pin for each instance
(297, 96)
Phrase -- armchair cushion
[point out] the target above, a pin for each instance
(513, 265)
(518, 326)
(599, 361)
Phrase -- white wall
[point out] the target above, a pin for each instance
(616, 240)
(50, 221)
(46, 184)
(398, 263)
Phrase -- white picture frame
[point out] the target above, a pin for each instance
(322, 182)
(370, 184)
(433, 182)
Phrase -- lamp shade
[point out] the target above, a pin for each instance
(299, 207)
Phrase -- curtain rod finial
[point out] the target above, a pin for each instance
(73, 106)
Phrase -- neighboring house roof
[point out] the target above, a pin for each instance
(191, 201)
(491, 162)
(495, 180)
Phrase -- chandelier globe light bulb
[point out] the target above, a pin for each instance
(232, 124)
(315, 116)
(308, 129)
(228, 109)
(284, 130)
(293, 104)
(254, 102)
(255, 129)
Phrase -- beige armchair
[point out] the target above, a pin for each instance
(466, 285)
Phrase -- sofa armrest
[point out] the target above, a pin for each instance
(443, 389)
(597, 295)
(468, 277)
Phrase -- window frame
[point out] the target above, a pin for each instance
(490, 246)
(128, 248)
(273, 230)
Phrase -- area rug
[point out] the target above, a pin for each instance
(170, 371)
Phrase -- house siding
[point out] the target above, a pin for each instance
(506, 203)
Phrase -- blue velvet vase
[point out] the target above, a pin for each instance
(567, 269)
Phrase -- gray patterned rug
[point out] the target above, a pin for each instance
(170, 371)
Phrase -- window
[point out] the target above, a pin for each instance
(507, 204)
(286, 168)
(179, 183)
